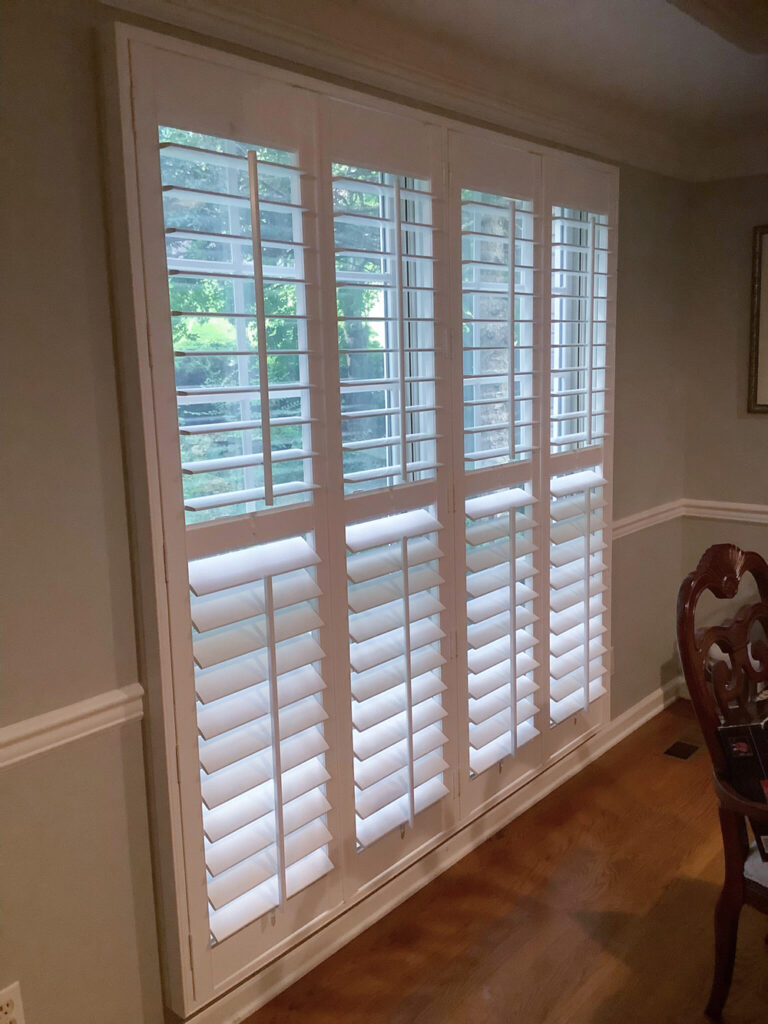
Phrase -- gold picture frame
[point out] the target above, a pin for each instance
(758, 336)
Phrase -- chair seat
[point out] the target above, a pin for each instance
(755, 868)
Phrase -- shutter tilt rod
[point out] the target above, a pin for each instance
(261, 324)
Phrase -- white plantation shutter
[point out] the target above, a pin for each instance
(497, 315)
(387, 243)
(577, 573)
(260, 722)
(376, 391)
(498, 437)
(581, 330)
(223, 201)
(395, 656)
(235, 221)
(385, 296)
(500, 633)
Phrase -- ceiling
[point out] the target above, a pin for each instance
(676, 86)
(645, 54)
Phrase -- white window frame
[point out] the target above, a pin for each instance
(194, 972)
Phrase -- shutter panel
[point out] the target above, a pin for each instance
(243, 385)
(577, 609)
(383, 229)
(395, 656)
(501, 622)
(497, 325)
(239, 324)
(581, 328)
(500, 429)
(261, 734)
(579, 318)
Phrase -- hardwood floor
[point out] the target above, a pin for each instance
(595, 907)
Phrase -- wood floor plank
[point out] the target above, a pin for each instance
(594, 907)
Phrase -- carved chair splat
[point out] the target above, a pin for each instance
(726, 667)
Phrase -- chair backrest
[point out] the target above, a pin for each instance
(727, 664)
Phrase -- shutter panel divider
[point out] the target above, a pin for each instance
(261, 326)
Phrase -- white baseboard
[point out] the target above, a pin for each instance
(237, 1005)
(34, 736)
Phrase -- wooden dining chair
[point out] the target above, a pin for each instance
(726, 667)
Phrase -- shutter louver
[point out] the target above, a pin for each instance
(577, 571)
(395, 657)
(497, 324)
(239, 323)
(385, 298)
(500, 630)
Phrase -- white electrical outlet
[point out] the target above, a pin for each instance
(11, 1010)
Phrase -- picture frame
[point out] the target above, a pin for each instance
(758, 334)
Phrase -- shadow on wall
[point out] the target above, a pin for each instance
(670, 669)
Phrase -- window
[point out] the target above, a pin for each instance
(375, 385)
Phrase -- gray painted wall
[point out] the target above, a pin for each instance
(66, 605)
(76, 924)
(77, 921)
(76, 911)
(653, 284)
(726, 451)
(646, 576)
(649, 455)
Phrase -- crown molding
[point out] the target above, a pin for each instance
(391, 63)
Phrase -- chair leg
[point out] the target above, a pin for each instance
(727, 914)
